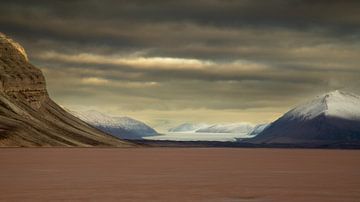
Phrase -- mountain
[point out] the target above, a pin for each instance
(258, 129)
(121, 127)
(332, 118)
(188, 127)
(28, 116)
(243, 128)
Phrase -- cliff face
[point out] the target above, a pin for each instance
(19, 79)
(28, 117)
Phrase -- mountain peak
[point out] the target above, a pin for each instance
(334, 104)
(339, 94)
(10, 46)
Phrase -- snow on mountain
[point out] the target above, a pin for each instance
(330, 118)
(258, 129)
(188, 127)
(122, 127)
(334, 104)
(243, 128)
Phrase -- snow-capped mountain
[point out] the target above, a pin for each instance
(330, 118)
(243, 128)
(188, 127)
(334, 104)
(122, 127)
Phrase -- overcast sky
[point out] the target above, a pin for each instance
(167, 62)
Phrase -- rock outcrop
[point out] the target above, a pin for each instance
(28, 116)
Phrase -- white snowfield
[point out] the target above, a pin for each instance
(334, 104)
(213, 128)
(228, 128)
(216, 132)
(188, 136)
(188, 127)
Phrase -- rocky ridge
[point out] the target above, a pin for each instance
(28, 116)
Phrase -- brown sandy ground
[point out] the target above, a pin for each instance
(179, 174)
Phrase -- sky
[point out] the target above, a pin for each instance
(169, 62)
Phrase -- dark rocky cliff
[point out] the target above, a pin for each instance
(28, 116)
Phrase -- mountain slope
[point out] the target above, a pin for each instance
(330, 118)
(28, 117)
(122, 127)
(258, 129)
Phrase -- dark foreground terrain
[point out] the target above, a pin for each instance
(179, 174)
(243, 144)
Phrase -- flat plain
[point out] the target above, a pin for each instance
(179, 174)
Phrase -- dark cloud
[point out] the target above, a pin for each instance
(172, 55)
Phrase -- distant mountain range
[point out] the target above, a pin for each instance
(28, 116)
(121, 127)
(328, 119)
(332, 118)
(240, 128)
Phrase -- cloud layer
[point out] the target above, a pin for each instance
(158, 59)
